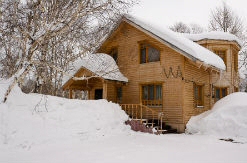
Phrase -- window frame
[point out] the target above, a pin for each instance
(200, 93)
(154, 99)
(220, 93)
(145, 47)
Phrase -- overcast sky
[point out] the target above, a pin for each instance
(168, 12)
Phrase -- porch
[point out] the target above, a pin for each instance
(149, 117)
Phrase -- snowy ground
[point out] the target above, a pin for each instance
(46, 129)
(131, 147)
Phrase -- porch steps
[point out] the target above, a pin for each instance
(145, 126)
(144, 119)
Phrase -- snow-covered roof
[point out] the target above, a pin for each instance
(214, 35)
(185, 46)
(102, 65)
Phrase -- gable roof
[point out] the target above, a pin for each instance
(183, 45)
(100, 64)
(214, 35)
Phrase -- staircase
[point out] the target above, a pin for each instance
(141, 116)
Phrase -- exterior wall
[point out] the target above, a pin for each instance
(127, 39)
(194, 75)
(230, 77)
(177, 92)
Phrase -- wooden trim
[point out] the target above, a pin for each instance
(104, 89)
(200, 93)
(70, 94)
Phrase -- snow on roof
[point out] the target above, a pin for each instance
(214, 35)
(102, 65)
(187, 47)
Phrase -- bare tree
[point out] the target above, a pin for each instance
(224, 19)
(180, 27)
(195, 28)
(183, 28)
(44, 36)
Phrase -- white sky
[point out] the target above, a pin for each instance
(169, 12)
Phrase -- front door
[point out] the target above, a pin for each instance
(98, 94)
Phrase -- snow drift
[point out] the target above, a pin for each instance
(227, 118)
(29, 119)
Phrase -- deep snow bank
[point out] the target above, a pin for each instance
(28, 119)
(227, 118)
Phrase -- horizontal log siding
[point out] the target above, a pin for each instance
(231, 51)
(111, 91)
(126, 39)
(199, 76)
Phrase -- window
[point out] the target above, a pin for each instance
(114, 54)
(198, 95)
(149, 54)
(152, 94)
(119, 94)
(220, 93)
(221, 54)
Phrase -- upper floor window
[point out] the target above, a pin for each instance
(114, 54)
(152, 94)
(198, 95)
(221, 54)
(149, 54)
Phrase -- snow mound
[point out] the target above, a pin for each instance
(29, 119)
(227, 118)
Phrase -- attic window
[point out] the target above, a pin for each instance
(149, 54)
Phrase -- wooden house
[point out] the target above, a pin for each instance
(159, 71)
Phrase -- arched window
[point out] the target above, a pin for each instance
(149, 54)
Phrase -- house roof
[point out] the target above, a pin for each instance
(214, 35)
(178, 42)
(100, 64)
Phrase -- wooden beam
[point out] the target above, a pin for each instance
(104, 89)
(70, 93)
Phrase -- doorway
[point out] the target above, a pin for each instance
(98, 94)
